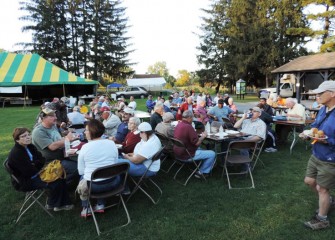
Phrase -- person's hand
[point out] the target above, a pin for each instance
(70, 136)
(63, 125)
(204, 134)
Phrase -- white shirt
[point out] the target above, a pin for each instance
(95, 154)
(297, 109)
(133, 105)
(148, 149)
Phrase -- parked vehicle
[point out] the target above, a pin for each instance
(287, 88)
(133, 91)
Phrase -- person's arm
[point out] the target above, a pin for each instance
(238, 124)
(61, 143)
(203, 136)
(137, 159)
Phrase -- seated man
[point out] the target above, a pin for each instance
(75, 117)
(295, 110)
(218, 112)
(165, 127)
(50, 143)
(267, 108)
(253, 126)
(150, 104)
(122, 129)
(270, 144)
(156, 117)
(111, 123)
(200, 113)
(186, 133)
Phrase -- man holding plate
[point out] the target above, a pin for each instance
(320, 174)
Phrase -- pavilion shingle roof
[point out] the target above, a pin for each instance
(309, 63)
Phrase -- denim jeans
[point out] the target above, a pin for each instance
(71, 170)
(137, 170)
(102, 186)
(207, 157)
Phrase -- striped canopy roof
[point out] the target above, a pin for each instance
(32, 69)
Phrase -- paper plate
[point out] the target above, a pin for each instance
(232, 132)
(223, 134)
(324, 138)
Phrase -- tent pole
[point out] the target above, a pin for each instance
(63, 90)
(25, 96)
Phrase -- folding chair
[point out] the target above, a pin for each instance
(146, 179)
(109, 172)
(234, 157)
(31, 197)
(190, 162)
(257, 152)
(228, 124)
(168, 151)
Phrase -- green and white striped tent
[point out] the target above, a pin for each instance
(33, 70)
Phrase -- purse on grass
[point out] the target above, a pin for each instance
(52, 171)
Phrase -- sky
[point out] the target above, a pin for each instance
(160, 30)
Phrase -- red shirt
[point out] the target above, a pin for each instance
(182, 109)
(186, 133)
(130, 142)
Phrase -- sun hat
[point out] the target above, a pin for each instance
(144, 127)
(325, 86)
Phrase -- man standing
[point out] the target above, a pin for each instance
(150, 104)
(186, 133)
(320, 174)
(50, 143)
(294, 110)
(218, 112)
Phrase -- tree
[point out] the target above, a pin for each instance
(183, 78)
(161, 69)
(327, 17)
(81, 36)
(247, 39)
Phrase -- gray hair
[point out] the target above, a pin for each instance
(158, 105)
(187, 114)
(291, 100)
(136, 120)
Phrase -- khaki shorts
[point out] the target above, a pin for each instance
(322, 172)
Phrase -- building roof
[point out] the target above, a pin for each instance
(314, 62)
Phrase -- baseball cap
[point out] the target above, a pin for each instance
(103, 109)
(325, 86)
(144, 127)
(47, 112)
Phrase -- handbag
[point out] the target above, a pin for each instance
(52, 171)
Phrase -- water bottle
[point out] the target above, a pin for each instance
(208, 128)
(221, 132)
(193, 125)
(67, 146)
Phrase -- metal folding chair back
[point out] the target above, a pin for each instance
(167, 152)
(110, 172)
(31, 197)
(234, 157)
(258, 151)
(228, 124)
(140, 181)
(190, 163)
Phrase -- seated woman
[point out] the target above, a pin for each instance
(96, 153)
(133, 136)
(26, 162)
(141, 158)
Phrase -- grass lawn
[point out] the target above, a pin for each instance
(275, 209)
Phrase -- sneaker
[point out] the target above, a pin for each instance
(126, 191)
(49, 207)
(65, 207)
(99, 208)
(86, 212)
(200, 175)
(270, 149)
(316, 224)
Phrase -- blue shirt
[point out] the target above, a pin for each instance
(122, 131)
(177, 100)
(150, 104)
(220, 112)
(325, 152)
